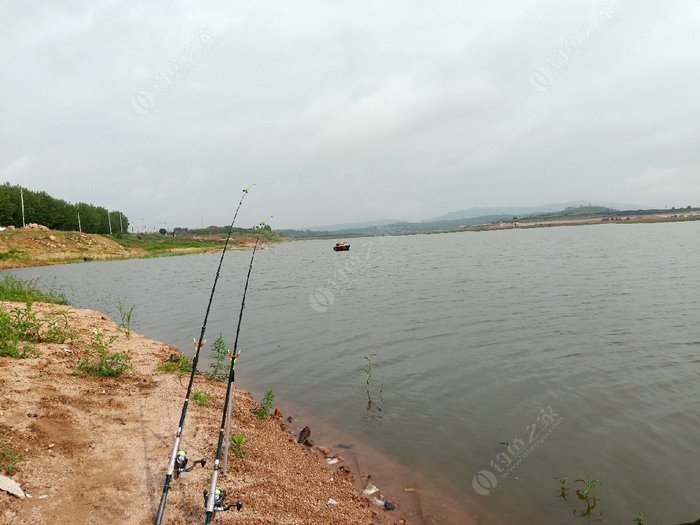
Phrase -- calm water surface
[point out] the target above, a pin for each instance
(469, 337)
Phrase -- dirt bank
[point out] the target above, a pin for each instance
(95, 448)
(36, 247)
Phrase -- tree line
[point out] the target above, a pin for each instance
(56, 214)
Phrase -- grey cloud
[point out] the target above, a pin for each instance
(344, 112)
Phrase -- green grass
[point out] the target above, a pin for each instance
(10, 338)
(181, 366)
(21, 326)
(154, 242)
(9, 458)
(109, 364)
(12, 253)
(99, 361)
(13, 289)
(201, 397)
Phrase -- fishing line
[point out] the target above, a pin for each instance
(215, 497)
(178, 458)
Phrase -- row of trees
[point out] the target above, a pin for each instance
(220, 229)
(56, 214)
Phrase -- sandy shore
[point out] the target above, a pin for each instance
(95, 449)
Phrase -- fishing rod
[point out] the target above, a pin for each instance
(215, 497)
(178, 458)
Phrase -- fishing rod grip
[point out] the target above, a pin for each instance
(212, 492)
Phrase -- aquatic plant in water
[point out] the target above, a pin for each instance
(563, 487)
(373, 411)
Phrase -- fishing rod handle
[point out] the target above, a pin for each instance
(212, 491)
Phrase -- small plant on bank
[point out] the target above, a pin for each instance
(201, 398)
(22, 326)
(268, 403)
(177, 364)
(9, 458)
(55, 329)
(99, 361)
(219, 364)
(237, 442)
(10, 339)
(26, 323)
(126, 315)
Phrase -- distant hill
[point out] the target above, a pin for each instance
(396, 228)
(353, 225)
(527, 210)
(453, 221)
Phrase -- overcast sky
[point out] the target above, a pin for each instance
(349, 111)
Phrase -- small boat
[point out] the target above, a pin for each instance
(341, 246)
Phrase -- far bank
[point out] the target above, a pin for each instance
(36, 245)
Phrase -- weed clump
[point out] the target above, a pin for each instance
(237, 442)
(268, 403)
(21, 326)
(201, 398)
(126, 316)
(9, 458)
(99, 361)
(176, 364)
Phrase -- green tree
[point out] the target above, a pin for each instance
(57, 214)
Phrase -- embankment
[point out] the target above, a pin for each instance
(95, 449)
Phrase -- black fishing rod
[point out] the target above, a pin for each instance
(178, 459)
(215, 497)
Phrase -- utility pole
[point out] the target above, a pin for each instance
(21, 197)
(109, 221)
(80, 229)
(121, 228)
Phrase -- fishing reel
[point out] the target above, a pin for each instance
(219, 501)
(181, 463)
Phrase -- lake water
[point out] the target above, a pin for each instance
(562, 352)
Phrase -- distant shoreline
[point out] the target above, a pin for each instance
(38, 246)
(22, 248)
(620, 218)
(572, 217)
